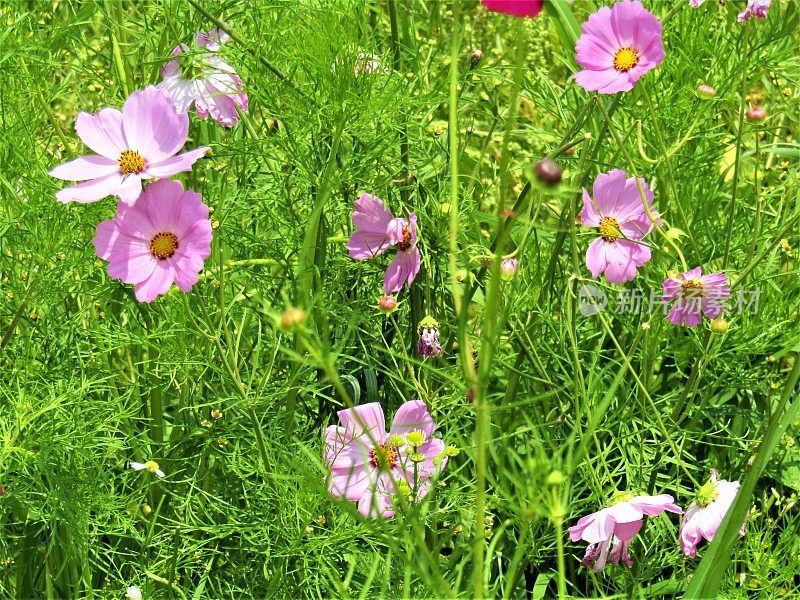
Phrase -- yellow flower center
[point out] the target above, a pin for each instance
(163, 245)
(625, 59)
(151, 466)
(131, 161)
(692, 289)
(609, 229)
(383, 456)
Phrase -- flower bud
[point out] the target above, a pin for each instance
(397, 441)
(417, 457)
(548, 172)
(706, 91)
(293, 318)
(555, 478)
(756, 113)
(416, 438)
(387, 303)
(719, 325)
(451, 451)
(475, 56)
(508, 268)
(428, 343)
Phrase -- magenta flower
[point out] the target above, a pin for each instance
(616, 209)
(138, 143)
(695, 293)
(370, 466)
(757, 9)
(202, 77)
(617, 47)
(705, 514)
(609, 531)
(517, 8)
(163, 238)
(377, 230)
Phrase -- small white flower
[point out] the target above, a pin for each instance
(133, 592)
(150, 465)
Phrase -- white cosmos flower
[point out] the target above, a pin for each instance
(150, 465)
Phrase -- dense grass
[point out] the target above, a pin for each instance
(552, 410)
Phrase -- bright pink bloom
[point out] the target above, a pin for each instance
(616, 209)
(609, 531)
(368, 464)
(202, 77)
(695, 3)
(755, 9)
(704, 516)
(377, 230)
(518, 8)
(163, 238)
(138, 143)
(695, 293)
(618, 46)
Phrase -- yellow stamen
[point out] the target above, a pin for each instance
(625, 59)
(609, 229)
(130, 162)
(163, 245)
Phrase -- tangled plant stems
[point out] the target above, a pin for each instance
(431, 212)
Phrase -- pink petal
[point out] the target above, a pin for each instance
(86, 167)
(371, 215)
(625, 531)
(413, 416)
(152, 125)
(92, 190)
(102, 132)
(157, 284)
(179, 91)
(517, 8)
(365, 419)
(607, 192)
(620, 267)
(655, 505)
(176, 164)
(589, 215)
(403, 269)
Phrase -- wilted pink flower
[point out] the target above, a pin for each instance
(609, 531)
(138, 143)
(695, 293)
(428, 343)
(202, 77)
(370, 466)
(755, 9)
(617, 47)
(704, 516)
(616, 209)
(517, 8)
(377, 230)
(163, 238)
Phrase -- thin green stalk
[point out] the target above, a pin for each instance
(455, 286)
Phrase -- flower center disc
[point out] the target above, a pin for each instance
(130, 162)
(609, 229)
(625, 59)
(383, 455)
(151, 466)
(692, 289)
(405, 243)
(163, 245)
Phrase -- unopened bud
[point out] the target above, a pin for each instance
(555, 478)
(706, 91)
(508, 268)
(548, 172)
(475, 56)
(719, 325)
(756, 113)
(416, 438)
(292, 318)
(387, 303)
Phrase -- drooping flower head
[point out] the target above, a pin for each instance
(616, 210)
(517, 8)
(161, 239)
(138, 143)
(609, 531)
(618, 46)
(199, 75)
(370, 466)
(377, 230)
(428, 343)
(704, 516)
(757, 9)
(695, 293)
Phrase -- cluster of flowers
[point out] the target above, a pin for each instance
(161, 234)
(609, 531)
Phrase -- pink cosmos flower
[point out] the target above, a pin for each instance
(617, 47)
(705, 514)
(370, 466)
(377, 230)
(616, 209)
(695, 293)
(518, 8)
(755, 9)
(609, 531)
(138, 143)
(202, 77)
(163, 238)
